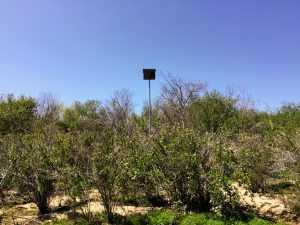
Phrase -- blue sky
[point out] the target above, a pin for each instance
(81, 50)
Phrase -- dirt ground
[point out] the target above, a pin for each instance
(268, 206)
(25, 214)
(271, 207)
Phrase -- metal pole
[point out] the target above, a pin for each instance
(149, 110)
(149, 74)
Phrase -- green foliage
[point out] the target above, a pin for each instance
(201, 219)
(295, 202)
(71, 169)
(152, 218)
(16, 115)
(194, 169)
(170, 217)
(35, 159)
(81, 116)
(198, 147)
(163, 218)
(256, 160)
(288, 117)
(79, 220)
(106, 169)
(211, 112)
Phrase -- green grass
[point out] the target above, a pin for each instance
(199, 219)
(171, 218)
(81, 221)
(161, 218)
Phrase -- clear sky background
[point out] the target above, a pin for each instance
(86, 49)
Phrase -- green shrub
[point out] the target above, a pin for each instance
(194, 170)
(296, 207)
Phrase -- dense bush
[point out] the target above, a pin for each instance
(193, 169)
(200, 145)
(35, 165)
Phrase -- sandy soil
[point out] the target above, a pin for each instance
(272, 207)
(27, 214)
(267, 206)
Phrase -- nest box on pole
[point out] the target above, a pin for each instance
(149, 74)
